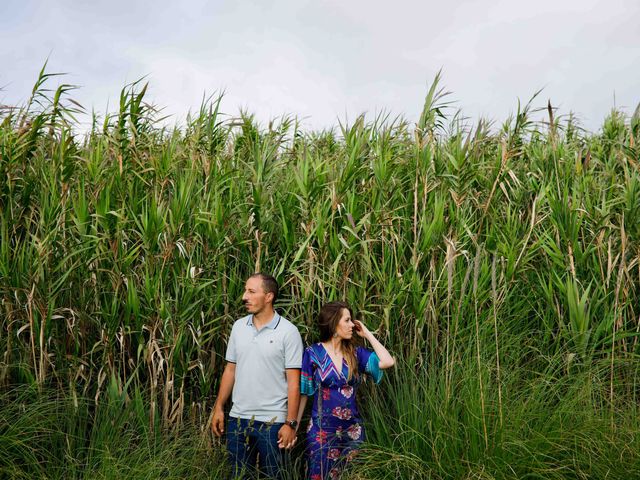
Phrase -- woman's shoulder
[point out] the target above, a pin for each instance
(313, 349)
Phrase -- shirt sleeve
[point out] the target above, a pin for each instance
(231, 356)
(369, 363)
(293, 349)
(307, 378)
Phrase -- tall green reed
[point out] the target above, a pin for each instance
(124, 251)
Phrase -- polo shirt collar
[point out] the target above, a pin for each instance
(273, 324)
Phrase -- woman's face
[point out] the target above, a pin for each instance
(344, 328)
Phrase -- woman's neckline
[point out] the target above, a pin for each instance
(339, 370)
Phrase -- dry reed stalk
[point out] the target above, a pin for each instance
(495, 331)
(449, 262)
(617, 323)
(476, 272)
(414, 254)
(32, 329)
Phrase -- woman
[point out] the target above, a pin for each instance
(331, 372)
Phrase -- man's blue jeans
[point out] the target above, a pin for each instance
(249, 439)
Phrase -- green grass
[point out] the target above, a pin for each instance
(499, 265)
(47, 436)
(547, 424)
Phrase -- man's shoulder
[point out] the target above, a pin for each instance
(287, 326)
(241, 322)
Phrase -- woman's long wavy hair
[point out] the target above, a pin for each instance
(328, 320)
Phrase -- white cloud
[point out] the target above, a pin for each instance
(323, 60)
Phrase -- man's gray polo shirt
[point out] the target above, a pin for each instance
(261, 357)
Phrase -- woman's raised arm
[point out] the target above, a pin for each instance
(386, 360)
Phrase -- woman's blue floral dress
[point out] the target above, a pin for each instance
(335, 431)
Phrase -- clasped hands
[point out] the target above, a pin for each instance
(287, 436)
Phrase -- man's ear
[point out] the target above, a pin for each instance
(270, 297)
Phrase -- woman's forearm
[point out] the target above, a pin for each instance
(386, 360)
(301, 407)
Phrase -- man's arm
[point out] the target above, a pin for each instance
(286, 434)
(224, 392)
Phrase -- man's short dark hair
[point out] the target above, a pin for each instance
(269, 284)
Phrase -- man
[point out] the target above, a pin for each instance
(264, 356)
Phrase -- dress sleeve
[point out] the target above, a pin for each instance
(307, 378)
(368, 362)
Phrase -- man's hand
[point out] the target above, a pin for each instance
(217, 422)
(286, 436)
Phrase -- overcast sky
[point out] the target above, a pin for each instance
(325, 61)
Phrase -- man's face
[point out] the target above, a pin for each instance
(255, 298)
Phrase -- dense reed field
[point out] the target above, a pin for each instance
(501, 265)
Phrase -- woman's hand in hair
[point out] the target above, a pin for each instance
(361, 329)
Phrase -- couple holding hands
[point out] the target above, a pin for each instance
(270, 378)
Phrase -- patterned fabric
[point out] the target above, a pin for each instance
(335, 431)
